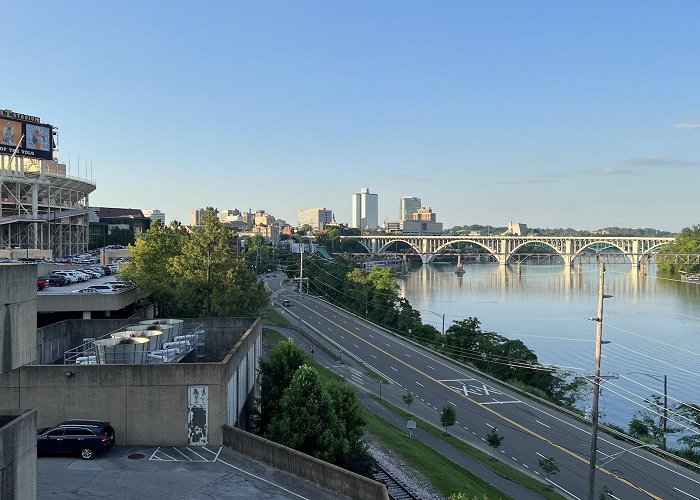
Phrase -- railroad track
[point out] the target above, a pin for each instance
(396, 490)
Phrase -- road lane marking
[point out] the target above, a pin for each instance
(375, 357)
(357, 346)
(492, 426)
(200, 456)
(387, 345)
(188, 458)
(448, 402)
(516, 424)
(562, 489)
(342, 337)
(686, 493)
(431, 367)
(514, 458)
(371, 336)
(540, 454)
(406, 354)
(483, 439)
(419, 384)
(542, 423)
(525, 465)
(394, 369)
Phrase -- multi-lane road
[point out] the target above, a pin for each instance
(531, 430)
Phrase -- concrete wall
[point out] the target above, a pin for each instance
(147, 404)
(18, 454)
(17, 315)
(307, 467)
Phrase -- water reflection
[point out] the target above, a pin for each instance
(653, 323)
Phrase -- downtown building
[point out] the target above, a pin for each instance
(154, 214)
(316, 218)
(365, 210)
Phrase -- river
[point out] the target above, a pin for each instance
(652, 323)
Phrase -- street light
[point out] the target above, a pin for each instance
(665, 381)
(443, 325)
(615, 455)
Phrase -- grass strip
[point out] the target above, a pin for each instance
(274, 316)
(445, 475)
(500, 468)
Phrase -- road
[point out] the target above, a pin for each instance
(530, 429)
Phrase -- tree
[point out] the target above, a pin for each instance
(606, 493)
(648, 424)
(494, 440)
(307, 421)
(690, 411)
(276, 375)
(408, 399)
(687, 241)
(548, 466)
(350, 413)
(448, 417)
(150, 266)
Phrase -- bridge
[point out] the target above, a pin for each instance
(503, 248)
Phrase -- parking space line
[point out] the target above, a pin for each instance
(212, 452)
(200, 456)
(263, 479)
(188, 458)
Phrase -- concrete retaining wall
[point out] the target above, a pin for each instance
(17, 315)
(307, 467)
(18, 454)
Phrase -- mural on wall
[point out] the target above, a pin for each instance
(197, 418)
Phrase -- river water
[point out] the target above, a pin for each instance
(652, 323)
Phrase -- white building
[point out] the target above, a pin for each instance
(365, 210)
(314, 217)
(408, 206)
(155, 214)
(226, 216)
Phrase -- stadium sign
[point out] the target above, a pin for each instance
(26, 134)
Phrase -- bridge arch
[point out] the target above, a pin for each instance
(387, 245)
(543, 242)
(609, 245)
(442, 247)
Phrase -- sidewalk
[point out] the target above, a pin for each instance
(365, 393)
(504, 484)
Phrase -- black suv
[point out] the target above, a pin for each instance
(84, 437)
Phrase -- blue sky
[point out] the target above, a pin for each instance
(574, 114)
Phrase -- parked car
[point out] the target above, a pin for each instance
(93, 274)
(107, 270)
(99, 270)
(97, 289)
(73, 278)
(82, 276)
(41, 283)
(83, 437)
(57, 280)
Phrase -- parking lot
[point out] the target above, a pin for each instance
(67, 289)
(168, 472)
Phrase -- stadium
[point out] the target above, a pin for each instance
(43, 211)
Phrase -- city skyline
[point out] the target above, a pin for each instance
(559, 115)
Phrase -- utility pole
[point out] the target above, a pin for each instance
(443, 330)
(301, 281)
(597, 380)
(665, 408)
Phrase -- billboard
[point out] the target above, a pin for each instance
(35, 139)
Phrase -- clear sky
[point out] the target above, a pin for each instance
(552, 113)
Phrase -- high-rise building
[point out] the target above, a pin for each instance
(409, 205)
(314, 217)
(365, 210)
(155, 214)
(196, 216)
(424, 213)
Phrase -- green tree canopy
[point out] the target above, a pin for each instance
(307, 420)
(195, 274)
(448, 417)
(276, 374)
(687, 241)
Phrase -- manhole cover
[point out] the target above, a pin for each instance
(136, 456)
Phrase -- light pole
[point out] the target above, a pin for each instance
(443, 325)
(615, 455)
(665, 381)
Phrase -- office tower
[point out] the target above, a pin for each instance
(365, 211)
(317, 218)
(409, 205)
(155, 215)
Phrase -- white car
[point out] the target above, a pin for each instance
(96, 289)
(98, 270)
(72, 278)
(83, 276)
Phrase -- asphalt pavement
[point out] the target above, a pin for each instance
(531, 430)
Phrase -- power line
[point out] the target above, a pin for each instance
(652, 339)
(655, 359)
